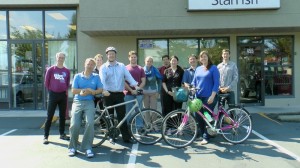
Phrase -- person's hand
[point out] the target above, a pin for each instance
(210, 100)
(105, 93)
(83, 92)
(134, 92)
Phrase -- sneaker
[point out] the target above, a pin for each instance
(199, 139)
(45, 141)
(72, 152)
(89, 153)
(64, 137)
(204, 142)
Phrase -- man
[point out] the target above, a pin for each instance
(85, 85)
(166, 64)
(228, 76)
(189, 73)
(113, 75)
(57, 79)
(138, 74)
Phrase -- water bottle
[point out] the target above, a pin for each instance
(207, 116)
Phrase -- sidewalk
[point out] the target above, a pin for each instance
(289, 113)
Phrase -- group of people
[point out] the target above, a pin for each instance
(118, 83)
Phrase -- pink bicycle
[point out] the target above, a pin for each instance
(179, 127)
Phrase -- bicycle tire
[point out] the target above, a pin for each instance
(101, 126)
(179, 137)
(149, 133)
(241, 130)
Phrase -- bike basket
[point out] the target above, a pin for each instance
(180, 94)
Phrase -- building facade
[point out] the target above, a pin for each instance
(263, 37)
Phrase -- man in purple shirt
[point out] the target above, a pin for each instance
(57, 81)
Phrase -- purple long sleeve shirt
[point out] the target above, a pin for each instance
(57, 79)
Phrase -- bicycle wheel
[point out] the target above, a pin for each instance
(101, 127)
(145, 127)
(178, 129)
(239, 132)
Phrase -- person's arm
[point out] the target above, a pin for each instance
(216, 84)
(129, 89)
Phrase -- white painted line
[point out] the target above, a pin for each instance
(280, 148)
(133, 154)
(11, 131)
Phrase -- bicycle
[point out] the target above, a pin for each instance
(234, 124)
(144, 126)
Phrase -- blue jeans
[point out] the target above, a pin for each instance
(79, 108)
(202, 124)
(130, 105)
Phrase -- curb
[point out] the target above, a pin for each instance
(289, 118)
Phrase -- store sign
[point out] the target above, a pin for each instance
(232, 4)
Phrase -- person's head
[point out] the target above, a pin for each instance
(132, 56)
(89, 64)
(149, 61)
(98, 59)
(166, 60)
(225, 54)
(193, 60)
(204, 59)
(174, 61)
(60, 58)
(111, 53)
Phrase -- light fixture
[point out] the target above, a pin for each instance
(30, 28)
(58, 16)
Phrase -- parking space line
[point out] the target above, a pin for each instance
(11, 131)
(263, 115)
(132, 157)
(280, 148)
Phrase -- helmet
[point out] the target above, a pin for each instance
(111, 49)
(195, 105)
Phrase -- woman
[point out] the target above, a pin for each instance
(172, 78)
(206, 78)
(99, 61)
(153, 84)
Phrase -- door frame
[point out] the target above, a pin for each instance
(34, 44)
(262, 83)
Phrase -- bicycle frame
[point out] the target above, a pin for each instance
(131, 111)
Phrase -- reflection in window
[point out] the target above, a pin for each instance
(214, 46)
(26, 24)
(3, 56)
(278, 67)
(3, 32)
(155, 48)
(182, 48)
(60, 24)
(67, 47)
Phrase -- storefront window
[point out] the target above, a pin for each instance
(152, 47)
(67, 47)
(214, 46)
(60, 24)
(182, 48)
(278, 67)
(26, 24)
(3, 74)
(3, 31)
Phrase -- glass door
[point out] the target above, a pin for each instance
(250, 71)
(26, 75)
